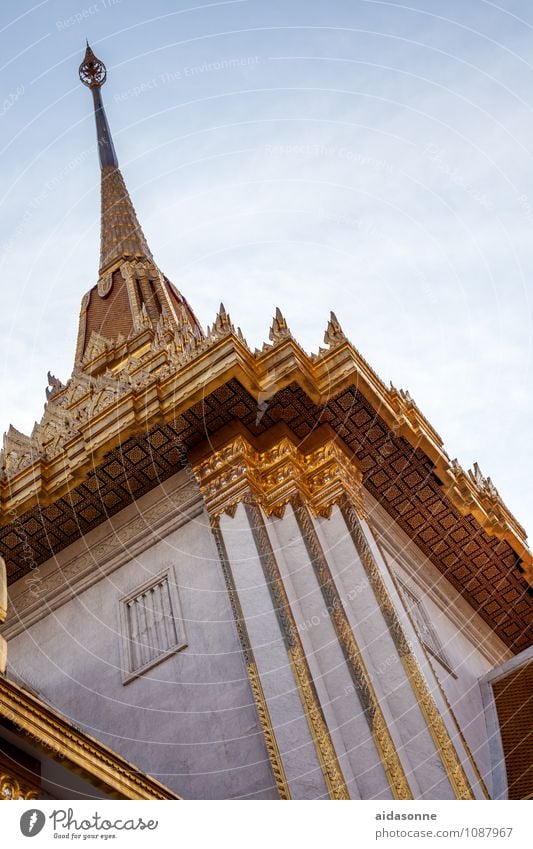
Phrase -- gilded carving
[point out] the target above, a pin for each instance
(334, 334)
(222, 326)
(360, 677)
(11, 788)
(18, 453)
(96, 347)
(317, 725)
(438, 730)
(263, 713)
(3, 614)
(121, 232)
(54, 386)
(435, 723)
(3, 590)
(320, 474)
(268, 732)
(279, 329)
(317, 478)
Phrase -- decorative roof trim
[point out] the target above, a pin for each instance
(171, 381)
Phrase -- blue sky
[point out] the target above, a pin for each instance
(374, 158)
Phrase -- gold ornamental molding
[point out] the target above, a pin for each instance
(271, 742)
(434, 720)
(273, 472)
(275, 468)
(316, 473)
(318, 727)
(152, 383)
(11, 788)
(261, 704)
(409, 661)
(3, 614)
(361, 678)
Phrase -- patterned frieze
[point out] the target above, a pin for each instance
(318, 468)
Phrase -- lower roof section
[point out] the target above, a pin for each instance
(30, 718)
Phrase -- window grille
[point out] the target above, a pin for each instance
(423, 626)
(152, 625)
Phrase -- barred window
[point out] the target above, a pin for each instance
(151, 625)
(423, 626)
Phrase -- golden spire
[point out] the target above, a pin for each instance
(133, 303)
(121, 233)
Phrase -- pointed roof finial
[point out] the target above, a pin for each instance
(279, 329)
(334, 334)
(121, 232)
(138, 294)
(93, 74)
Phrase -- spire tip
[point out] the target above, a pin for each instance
(92, 70)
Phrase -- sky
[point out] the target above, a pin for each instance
(370, 157)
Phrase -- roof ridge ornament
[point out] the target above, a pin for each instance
(279, 329)
(334, 334)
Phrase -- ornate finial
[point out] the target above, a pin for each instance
(334, 334)
(222, 324)
(279, 329)
(93, 74)
(92, 71)
(126, 261)
(54, 386)
(483, 484)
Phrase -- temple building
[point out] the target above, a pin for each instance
(229, 573)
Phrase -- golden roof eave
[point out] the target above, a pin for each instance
(60, 739)
(167, 393)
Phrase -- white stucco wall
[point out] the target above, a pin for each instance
(189, 721)
(471, 647)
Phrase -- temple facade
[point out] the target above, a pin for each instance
(242, 573)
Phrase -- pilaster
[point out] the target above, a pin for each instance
(263, 628)
(305, 511)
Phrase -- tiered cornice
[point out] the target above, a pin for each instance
(153, 383)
